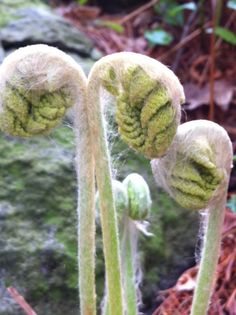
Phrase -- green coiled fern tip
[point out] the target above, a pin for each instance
(35, 91)
(147, 113)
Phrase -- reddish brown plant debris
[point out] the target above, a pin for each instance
(19, 299)
(177, 300)
(188, 55)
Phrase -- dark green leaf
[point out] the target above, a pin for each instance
(172, 12)
(187, 6)
(173, 18)
(232, 203)
(231, 4)
(226, 35)
(112, 25)
(164, 9)
(158, 37)
(163, 5)
(82, 2)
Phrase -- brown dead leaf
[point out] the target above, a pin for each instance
(80, 13)
(197, 96)
(177, 300)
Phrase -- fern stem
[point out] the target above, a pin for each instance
(210, 254)
(86, 210)
(106, 199)
(129, 240)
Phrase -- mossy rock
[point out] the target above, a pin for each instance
(38, 221)
(30, 22)
(38, 193)
(8, 9)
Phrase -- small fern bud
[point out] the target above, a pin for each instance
(38, 84)
(139, 197)
(120, 198)
(196, 166)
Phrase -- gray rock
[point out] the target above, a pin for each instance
(34, 242)
(85, 63)
(8, 306)
(8, 9)
(6, 210)
(38, 243)
(24, 22)
(40, 25)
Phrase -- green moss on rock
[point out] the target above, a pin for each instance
(8, 9)
(38, 193)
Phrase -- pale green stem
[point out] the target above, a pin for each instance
(210, 254)
(105, 310)
(128, 267)
(128, 246)
(86, 209)
(106, 199)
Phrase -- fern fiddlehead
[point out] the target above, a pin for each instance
(133, 203)
(195, 172)
(148, 112)
(35, 90)
(38, 84)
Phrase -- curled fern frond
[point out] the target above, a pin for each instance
(38, 85)
(148, 97)
(195, 168)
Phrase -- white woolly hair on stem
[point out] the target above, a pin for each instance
(148, 113)
(129, 240)
(196, 173)
(37, 84)
(133, 203)
(138, 210)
